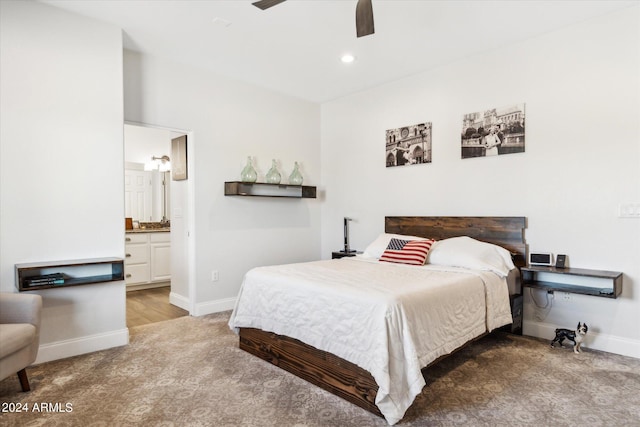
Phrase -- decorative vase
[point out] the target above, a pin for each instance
(273, 176)
(296, 177)
(248, 174)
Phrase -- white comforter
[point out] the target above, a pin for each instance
(389, 319)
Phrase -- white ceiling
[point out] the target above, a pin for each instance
(294, 47)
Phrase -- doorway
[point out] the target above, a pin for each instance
(151, 306)
(158, 220)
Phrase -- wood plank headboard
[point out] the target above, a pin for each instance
(504, 231)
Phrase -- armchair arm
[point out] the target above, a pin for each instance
(20, 308)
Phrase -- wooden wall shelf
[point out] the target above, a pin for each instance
(263, 189)
(611, 279)
(57, 274)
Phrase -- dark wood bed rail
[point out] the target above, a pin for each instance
(323, 369)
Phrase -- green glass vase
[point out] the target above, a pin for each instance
(296, 177)
(248, 174)
(273, 176)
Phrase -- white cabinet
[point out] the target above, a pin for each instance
(136, 258)
(160, 249)
(147, 260)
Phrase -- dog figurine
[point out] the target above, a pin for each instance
(575, 337)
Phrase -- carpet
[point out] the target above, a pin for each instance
(190, 372)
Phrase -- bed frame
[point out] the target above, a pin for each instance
(344, 378)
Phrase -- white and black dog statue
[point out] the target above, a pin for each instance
(575, 337)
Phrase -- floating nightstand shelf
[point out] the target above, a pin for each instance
(58, 274)
(263, 189)
(600, 283)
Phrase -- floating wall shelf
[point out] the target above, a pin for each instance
(263, 189)
(58, 274)
(601, 283)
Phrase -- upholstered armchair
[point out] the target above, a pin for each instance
(19, 334)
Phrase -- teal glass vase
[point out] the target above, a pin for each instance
(296, 177)
(273, 176)
(248, 174)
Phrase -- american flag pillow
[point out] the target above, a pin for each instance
(413, 252)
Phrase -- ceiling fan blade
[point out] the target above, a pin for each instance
(364, 18)
(266, 4)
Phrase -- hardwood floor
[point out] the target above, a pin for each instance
(151, 306)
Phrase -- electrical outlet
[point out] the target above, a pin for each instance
(566, 296)
(214, 276)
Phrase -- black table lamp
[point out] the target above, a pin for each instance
(346, 236)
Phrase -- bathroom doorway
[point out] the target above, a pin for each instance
(151, 306)
(157, 225)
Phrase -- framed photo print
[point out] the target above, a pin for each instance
(408, 145)
(179, 158)
(493, 132)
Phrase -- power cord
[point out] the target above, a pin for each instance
(542, 311)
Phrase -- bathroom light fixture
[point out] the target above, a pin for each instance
(162, 164)
(163, 159)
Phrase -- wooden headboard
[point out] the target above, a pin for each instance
(505, 231)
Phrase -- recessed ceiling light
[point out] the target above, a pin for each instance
(347, 58)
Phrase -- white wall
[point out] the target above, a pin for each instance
(581, 89)
(61, 157)
(141, 143)
(229, 121)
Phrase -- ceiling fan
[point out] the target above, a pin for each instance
(364, 14)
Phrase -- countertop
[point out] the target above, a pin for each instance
(149, 230)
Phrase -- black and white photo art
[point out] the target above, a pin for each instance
(493, 132)
(179, 158)
(409, 145)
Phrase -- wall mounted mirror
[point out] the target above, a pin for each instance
(147, 173)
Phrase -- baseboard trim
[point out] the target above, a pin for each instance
(76, 346)
(143, 286)
(179, 301)
(216, 306)
(594, 340)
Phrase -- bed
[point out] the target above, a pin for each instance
(360, 329)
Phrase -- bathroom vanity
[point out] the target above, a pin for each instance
(147, 262)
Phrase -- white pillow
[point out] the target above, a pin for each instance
(378, 246)
(472, 254)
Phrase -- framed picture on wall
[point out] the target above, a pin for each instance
(493, 132)
(408, 145)
(179, 157)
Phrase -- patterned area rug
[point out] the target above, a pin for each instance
(190, 372)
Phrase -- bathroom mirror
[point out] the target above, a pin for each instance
(147, 174)
(147, 194)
